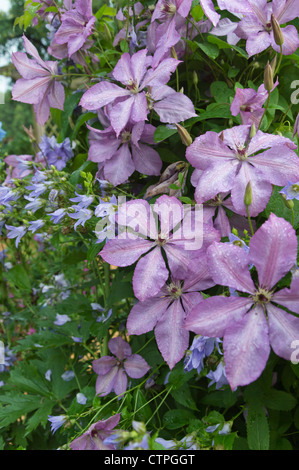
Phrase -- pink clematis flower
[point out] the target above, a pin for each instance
(249, 103)
(39, 85)
(166, 312)
(93, 438)
(119, 157)
(256, 26)
(76, 26)
(176, 237)
(230, 160)
(113, 371)
(251, 324)
(133, 103)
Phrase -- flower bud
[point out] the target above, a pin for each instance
(195, 78)
(278, 36)
(173, 53)
(289, 203)
(248, 195)
(184, 135)
(252, 131)
(268, 78)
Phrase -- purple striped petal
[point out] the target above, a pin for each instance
(246, 348)
(121, 382)
(103, 365)
(136, 367)
(228, 265)
(144, 315)
(176, 107)
(273, 250)
(172, 338)
(105, 383)
(283, 331)
(216, 179)
(119, 348)
(124, 251)
(214, 315)
(150, 275)
(102, 94)
(120, 167)
(289, 298)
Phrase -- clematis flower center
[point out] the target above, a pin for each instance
(133, 87)
(161, 241)
(262, 296)
(169, 8)
(268, 27)
(242, 153)
(125, 137)
(245, 108)
(174, 290)
(295, 188)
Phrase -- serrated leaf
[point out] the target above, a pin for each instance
(279, 400)
(175, 419)
(40, 416)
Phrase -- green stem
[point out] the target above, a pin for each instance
(279, 62)
(266, 109)
(249, 220)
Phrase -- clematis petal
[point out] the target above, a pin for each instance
(150, 275)
(176, 107)
(121, 382)
(172, 338)
(144, 315)
(105, 383)
(120, 348)
(138, 216)
(103, 365)
(207, 150)
(283, 331)
(246, 348)
(228, 265)
(124, 251)
(289, 298)
(102, 94)
(261, 190)
(291, 40)
(135, 366)
(214, 315)
(273, 250)
(120, 166)
(146, 160)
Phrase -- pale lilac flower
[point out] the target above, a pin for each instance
(247, 332)
(218, 376)
(202, 347)
(37, 189)
(57, 215)
(119, 156)
(54, 153)
(256, 26)
(81, 214)
(38, 86)
(76, 339)
(167, 10)
(81, 398)
(61, 319)
(16, 232)
(16, 170)
(36, 225)
(225, 428)
(93, 438)
(83, 200)
(113, 370)
(68, 376)
(234, 240)
(291, 190)
(104, 317)
(76, 26)
(57, 422)
(249, 103)
(230, 160)
(34, 204)
(48, 375)
(151, 272)
(167, 311)
(133, 103)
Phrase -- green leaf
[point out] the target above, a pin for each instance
(279, 400)
(162, 133)
(183, 397)
(19, 277)
(69, 105)
(175, 419)
(82, 120)
(258, 434)
(40, 416)
(224, 45)
(221, 398)
(221, 92)
(16, 405)
(211, 50)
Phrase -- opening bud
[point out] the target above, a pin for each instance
(289, 203)
(248, 195)
(268, 78)
(278, 36)
(184, 135)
